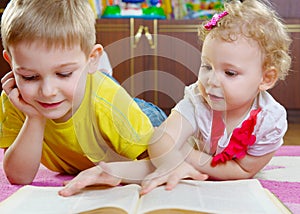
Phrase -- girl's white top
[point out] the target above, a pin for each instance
(269, 130)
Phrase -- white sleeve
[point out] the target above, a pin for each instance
(186, 109)
(187, 106)
(270, 128)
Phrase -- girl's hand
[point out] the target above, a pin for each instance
(10, 88)
(97, 175)
(171, 178)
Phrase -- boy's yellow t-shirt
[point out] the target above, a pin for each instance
(108, 126)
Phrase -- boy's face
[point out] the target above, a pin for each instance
(231, 73)
(48, 78)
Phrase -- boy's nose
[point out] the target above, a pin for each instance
(48, 88)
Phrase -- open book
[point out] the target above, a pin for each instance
(241, 196)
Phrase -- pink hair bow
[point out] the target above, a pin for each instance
(214, 20)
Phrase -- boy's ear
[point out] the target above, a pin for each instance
(6, 56)
(94, 57)
(270, 77)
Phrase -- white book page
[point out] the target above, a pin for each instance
(243, 196)
(32, 199)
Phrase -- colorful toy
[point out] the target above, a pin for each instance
(135, 9)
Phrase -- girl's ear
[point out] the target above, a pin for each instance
(6, 56)
(270, 77)
(94, 58)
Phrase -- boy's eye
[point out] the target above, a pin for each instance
(230, 73)
(65, 74)
(30, 78)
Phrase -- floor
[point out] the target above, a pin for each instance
(292, 137)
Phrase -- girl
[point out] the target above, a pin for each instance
(235, 123)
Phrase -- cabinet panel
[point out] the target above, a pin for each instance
(158, 70)
(157, 65)
(179, 57)
(124, 42)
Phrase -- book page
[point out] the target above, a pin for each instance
(284, 209)
(242, 196)
(33, 199)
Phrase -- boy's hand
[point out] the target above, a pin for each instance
(171, 178)
(9, 86)
(96, 175)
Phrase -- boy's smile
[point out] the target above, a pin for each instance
(50, 105)
(47, 78)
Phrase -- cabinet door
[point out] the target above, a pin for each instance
(114, 35)
(124, 41)
(178, 59)
(154, 60)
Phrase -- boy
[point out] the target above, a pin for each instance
(55, 108)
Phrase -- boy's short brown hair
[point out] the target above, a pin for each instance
(58, 23)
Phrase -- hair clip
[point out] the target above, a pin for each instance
(214, 20)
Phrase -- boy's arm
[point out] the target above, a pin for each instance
(22, 159)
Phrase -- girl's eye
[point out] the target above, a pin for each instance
(30, 78)
(65, 74)
(206, 67)
(230, 73)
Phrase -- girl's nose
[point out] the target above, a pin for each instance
(213, 78)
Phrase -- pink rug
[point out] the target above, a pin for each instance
(44, 177)
(281, 176)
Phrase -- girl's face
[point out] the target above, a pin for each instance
(230, 73)
(51, 80)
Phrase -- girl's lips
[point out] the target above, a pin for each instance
(214, 97)
(50, 105)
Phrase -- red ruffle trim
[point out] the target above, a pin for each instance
(240, 140)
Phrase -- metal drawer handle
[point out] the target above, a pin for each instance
(138, 35)
(149, 37)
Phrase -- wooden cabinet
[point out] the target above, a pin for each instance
(156, 67)
(152, 59)
(156, 59)
(4, 67)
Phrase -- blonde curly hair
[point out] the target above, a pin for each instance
(255, 19)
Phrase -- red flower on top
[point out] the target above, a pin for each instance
(240, 140)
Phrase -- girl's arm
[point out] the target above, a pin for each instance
(111, 174)
(168, 151)
(168, 139)
(243, 168)
(171, 167)
(164, 153)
